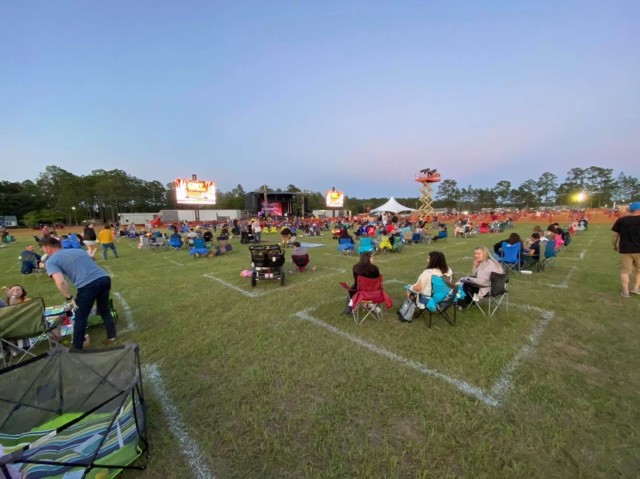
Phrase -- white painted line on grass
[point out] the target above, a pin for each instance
(504, 382)
(108, 270)
(173, 262)
(128, 314)
(565, 282)
(336, 269)
(584, 251)
(188, 447)
(461, 385)
(250, 294)
(128, 243)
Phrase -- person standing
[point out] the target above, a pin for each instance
(257, 230)
(89, 239)
(106, 240)
(93, 285)
(626, 241)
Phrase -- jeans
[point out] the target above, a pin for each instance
(95, 292)
(257, 236)
(107, 246)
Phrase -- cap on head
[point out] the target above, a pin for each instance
(635, 206)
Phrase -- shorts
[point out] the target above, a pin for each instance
(89, 242)
(629, 263)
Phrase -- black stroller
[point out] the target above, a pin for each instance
(267, 262)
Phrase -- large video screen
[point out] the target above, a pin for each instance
(335, 199)
(195, 192)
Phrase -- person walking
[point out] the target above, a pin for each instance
(626, 241)
(106, 240)
(93, 285)
(90, 238)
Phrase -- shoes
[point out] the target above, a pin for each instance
(109, 341)
(635, 291)
(377, 310)
(347, 311)
(625, 295)
(476, 298)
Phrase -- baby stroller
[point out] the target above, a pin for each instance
(267, 262)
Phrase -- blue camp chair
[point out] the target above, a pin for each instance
(510, 256)
(199, 248)
(346, 246)
(441, 299)
(175, 243)
(366, 245)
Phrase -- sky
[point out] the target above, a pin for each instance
(356, 95)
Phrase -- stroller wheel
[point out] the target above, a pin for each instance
(282, 278)
(254, 279)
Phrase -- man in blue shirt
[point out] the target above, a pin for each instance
(92, 282)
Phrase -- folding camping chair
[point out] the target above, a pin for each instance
(199, 248)
(368, 298)
(550, 254)
(499, 293)
(510, 256)
(346, 246)
(442, 298)
(22, 328)
(175, 243)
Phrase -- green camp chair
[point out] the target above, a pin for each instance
(22, 328)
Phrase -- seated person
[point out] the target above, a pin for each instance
(442, 232)
(16, 294)
(479, 284)
(364, 267)
(175, 238)
(300, 256)
(532, 255)
(208, 236)
(30, 260)
(345, 234)
(436, 266)
(385, 243)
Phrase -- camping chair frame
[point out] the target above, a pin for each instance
(547, 257)
(121, 412)
(23, 322)
(440, 311)
(499, 293)
(510, 256)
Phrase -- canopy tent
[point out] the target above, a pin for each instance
(391, 206)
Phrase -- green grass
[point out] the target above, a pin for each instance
(266, 393)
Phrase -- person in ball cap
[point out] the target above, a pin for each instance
(626, 241)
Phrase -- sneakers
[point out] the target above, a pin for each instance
(625, 295)
(476, 298)
(377, 310)
(635, 291)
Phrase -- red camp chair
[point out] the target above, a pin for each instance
(368, 298)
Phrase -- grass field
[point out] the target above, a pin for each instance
(272, 381)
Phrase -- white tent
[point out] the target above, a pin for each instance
(391, 206)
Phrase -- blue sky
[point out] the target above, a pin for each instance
(352, 94)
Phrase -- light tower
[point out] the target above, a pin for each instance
(425, 177)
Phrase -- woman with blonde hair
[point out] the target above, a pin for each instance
(479, 284)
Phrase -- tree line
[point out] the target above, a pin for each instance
(57, 195)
